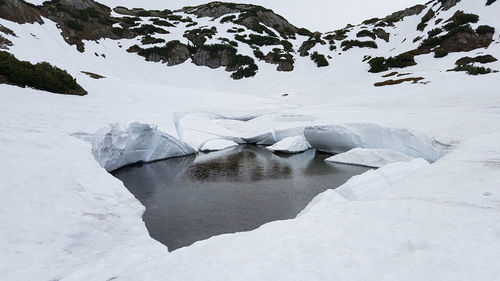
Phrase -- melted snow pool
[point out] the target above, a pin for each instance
(193, 198)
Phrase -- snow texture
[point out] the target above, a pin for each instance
(375, 158)
(118, 146)
(295, 144)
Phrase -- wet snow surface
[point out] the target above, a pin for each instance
(193, 198)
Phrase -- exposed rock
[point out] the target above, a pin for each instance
(5, 43)
(399, 15)
(7, 31)
(173, 53)
(448, 4)
(466, 41)
(20, 12)
(284, 61)
(213, 57)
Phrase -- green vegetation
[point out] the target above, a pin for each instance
(130, 21)
(148, 39)
(161, 22)
(485, 29)
(461, 18)
(149, 29)
(258, 54)
(439, 53)
(41, 76)
(258, 40)
(348, 44)
(472, 70)
(480, 59)
(228, 19)
(434, 32)
(380, 64)
(75, 25)
(366, 33)
(319, 59)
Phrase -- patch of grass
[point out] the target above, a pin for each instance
(41, 76)
(390, 82)
(319, 59)
(390, 74)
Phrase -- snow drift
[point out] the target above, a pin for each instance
(369, 157)
(342, 138)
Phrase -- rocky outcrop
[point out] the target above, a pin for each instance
(251, 16)
(284, 61)
(213, 56)
(466, 41)
(399, 15)
(19, 11)
(173, 53)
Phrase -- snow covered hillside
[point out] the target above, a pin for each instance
(169, 83)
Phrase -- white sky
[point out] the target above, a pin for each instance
(317, 15)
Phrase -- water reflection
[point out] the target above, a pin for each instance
(193, 198)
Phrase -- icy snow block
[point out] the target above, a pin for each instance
(117, 146)
(274, 136)
(370, 157)
(338, 139)
(295, 144)
(218, 144)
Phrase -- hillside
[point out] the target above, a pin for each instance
(421, 82)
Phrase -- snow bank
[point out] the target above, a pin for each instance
(369, 157)
(218, 144)
(119, 145)
(342, 138)
(295, 144)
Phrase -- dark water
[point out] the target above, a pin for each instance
(196, 197)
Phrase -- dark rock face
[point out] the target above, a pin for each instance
(306, 47)
(466, 41)
(20, 12)
(213, 58)
(399, 15)
(5, 43)
(250, 17)
(173, 53)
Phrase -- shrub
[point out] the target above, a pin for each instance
(472, 70)
(377, 65)
(149, 29)
(480, 59)
(439, 53)
(319, 59)
(227, 18)
(258, 54)
(461, 18)
(42, 76)
(366, 33)
(380, 64)
(484, 29)
(434, 32)
(75, 25)
(348, 44)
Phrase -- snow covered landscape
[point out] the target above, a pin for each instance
(415, 94)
